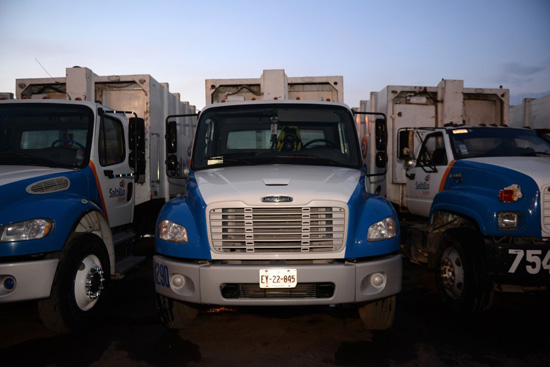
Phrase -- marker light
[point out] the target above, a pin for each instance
(510, 194)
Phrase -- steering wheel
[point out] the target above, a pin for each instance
(69, 141)
(328, 143)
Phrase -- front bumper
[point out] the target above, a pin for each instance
(526, 265)
(348, 282)
(26, 280)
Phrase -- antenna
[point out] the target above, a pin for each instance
(45, 70)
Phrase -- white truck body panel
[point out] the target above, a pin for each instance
(413, 107)
(533, 113)
(139, 93)
(274, 84)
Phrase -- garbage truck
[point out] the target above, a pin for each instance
(473, 195)
(81, 179)
(277, 213)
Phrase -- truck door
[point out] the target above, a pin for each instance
(424, 178)
(114, 173)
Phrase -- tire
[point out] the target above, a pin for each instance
(378, 315)
(175, 314)
(79, 288)
(461, 277)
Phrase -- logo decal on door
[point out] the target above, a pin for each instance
(423, 185)
(118, 192)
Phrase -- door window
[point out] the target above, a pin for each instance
(111, 142)
(433, 151)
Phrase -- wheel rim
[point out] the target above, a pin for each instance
(89, 282)
(451, 273)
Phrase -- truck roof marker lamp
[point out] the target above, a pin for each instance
(510, 194)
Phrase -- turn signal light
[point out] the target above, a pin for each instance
(510, 194)
(506, 196)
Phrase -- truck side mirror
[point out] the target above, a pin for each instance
(171, 137)
(408, 158)
(381, 134)
(171, 162)
(136, 138)
(381, 159)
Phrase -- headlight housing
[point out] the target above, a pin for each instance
(170, 231)
(26, 230)
(508, 220)
(383, 230)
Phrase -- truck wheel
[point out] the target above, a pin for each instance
(78, 291)
(175, 314)
(460, 277)
(378, 315)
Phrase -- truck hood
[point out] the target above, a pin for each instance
(538, 168)
(302, 183)
(9, 174)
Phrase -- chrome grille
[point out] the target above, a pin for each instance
(545, 198)
(277, 229)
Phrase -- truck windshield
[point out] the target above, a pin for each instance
(276, 134)
(473, 142)
(53, 135)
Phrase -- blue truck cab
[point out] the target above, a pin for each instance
(277, 214)
(485, 194)
(67, 183)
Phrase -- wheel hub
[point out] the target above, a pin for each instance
(452, 273)
(94, 282)
(89, 282)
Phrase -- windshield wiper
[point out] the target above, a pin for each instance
(298, 156)
(27, 158)
(532, 154)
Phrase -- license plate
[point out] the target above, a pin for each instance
(278, 278)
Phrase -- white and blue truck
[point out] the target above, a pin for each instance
(277, 213)
(473, 195)
(79, 184)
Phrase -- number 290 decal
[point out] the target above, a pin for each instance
(161, 275)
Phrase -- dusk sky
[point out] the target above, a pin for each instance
(486, 43)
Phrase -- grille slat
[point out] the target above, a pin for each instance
(546, 208)
(294, 229)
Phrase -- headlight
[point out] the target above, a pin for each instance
(170, 231)
(26, 230)
(507, 220)
(383, 230)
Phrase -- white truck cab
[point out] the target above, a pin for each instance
(277, 213)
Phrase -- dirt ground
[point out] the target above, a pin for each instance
(515, 332)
